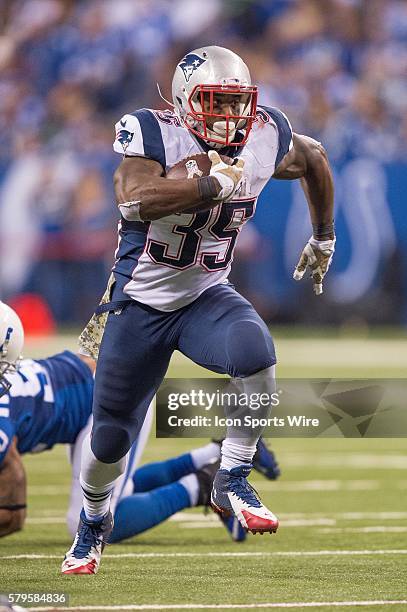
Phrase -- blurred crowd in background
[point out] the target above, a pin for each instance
(68, 71)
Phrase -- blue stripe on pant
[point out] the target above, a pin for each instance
(220, 331)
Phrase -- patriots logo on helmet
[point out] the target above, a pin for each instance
(125, 137)
(189, 64)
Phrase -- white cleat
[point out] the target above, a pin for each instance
(84, 555)
(233, 495)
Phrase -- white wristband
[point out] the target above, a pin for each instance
(130, 211)
(227, 185)
(323, 245)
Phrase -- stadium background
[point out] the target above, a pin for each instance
(68, 70)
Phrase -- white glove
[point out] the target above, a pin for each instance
(227, 176)
(317, 254)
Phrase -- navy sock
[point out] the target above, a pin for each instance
(153, 475)
(141, 511)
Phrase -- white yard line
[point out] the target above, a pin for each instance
(48, 490)
(283, 553)
(357, 516)
(226, 606)
(186, 517)
(191, 520)
(347, 351)
(370, 529)
(289, 485)
(359, 461)
(342, 352)
(319, 485)
(44, 520)
(287, 523)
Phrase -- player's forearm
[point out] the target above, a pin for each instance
(160, 197)
(156, 196)
(318, 187)
(13, 492)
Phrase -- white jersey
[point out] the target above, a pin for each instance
(169, 262)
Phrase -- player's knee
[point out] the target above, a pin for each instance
(110, 442)
(250, 348)
(113, 404)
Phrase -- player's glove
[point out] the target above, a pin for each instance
(317, 255)
(227, 176)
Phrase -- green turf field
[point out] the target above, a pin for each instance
(342, 505)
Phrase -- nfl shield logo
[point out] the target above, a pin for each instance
(189, 64)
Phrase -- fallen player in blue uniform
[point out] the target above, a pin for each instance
(49, 401)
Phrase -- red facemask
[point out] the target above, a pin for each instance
(197, 120)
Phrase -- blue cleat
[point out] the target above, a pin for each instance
(236, 531)
(265, 462)
(232, 495)
(84, 555)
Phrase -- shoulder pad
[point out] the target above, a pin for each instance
(284, 129)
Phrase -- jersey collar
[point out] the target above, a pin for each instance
(230, 151)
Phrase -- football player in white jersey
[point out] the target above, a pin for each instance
(170, 289)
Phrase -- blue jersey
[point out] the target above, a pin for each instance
(49, 402)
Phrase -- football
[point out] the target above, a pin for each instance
(195, 166)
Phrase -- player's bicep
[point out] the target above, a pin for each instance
(302, 157)
(131, 174)
(293, 165)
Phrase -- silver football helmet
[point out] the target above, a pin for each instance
(214, 97)
(11, 344)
